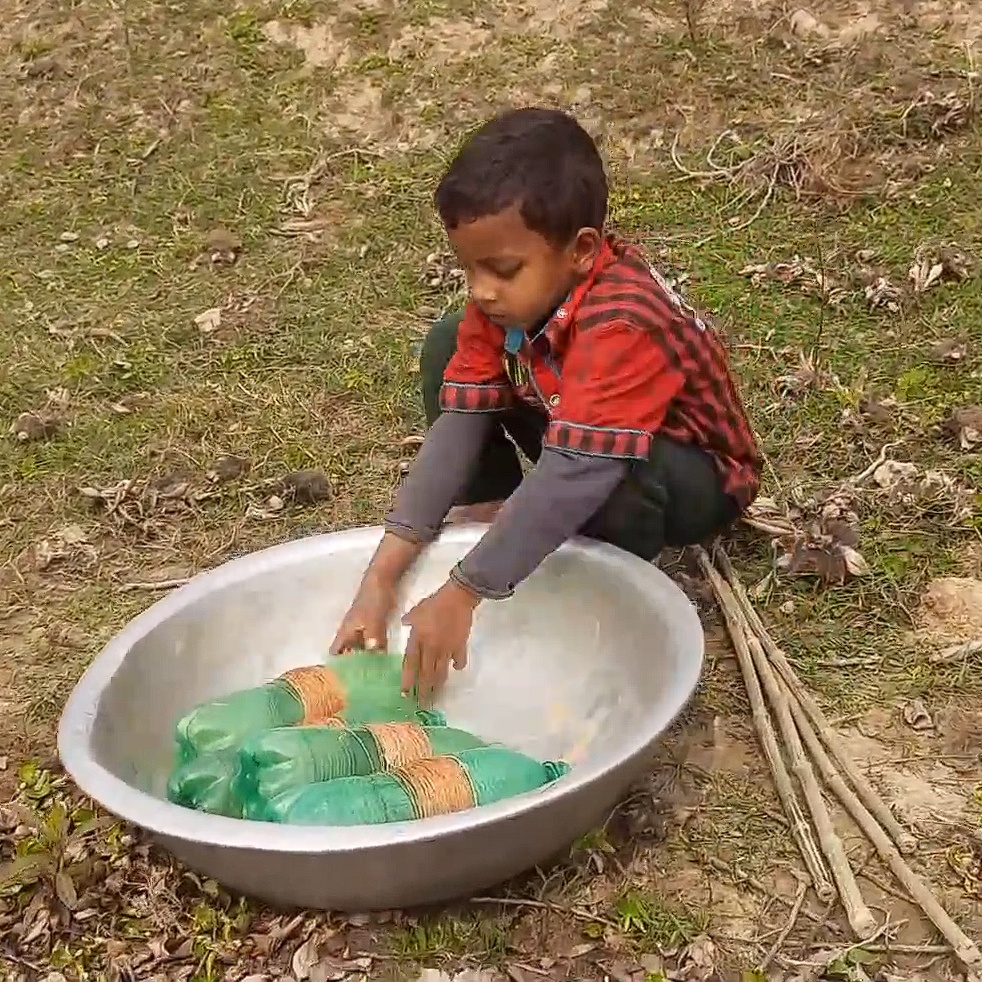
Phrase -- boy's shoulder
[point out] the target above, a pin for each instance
(632, 289)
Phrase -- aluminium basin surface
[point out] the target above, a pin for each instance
(590, 661)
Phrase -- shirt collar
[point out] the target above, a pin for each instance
(558, 325)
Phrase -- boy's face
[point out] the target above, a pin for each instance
(514, 275)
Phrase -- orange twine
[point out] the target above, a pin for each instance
(399, 744)
(319, 692)
(436, 786)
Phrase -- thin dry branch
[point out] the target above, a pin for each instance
(787, 929)
(800, 829)
(152, 585)
(790, 718)
(870, 799)
(964, 948)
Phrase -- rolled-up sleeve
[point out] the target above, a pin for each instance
(475, 380)
(617, 385)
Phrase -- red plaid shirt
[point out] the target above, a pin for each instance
(621, 359)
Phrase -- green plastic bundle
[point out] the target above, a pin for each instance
(280, 759)
(362, 687)
(207, 783)
(421, 789)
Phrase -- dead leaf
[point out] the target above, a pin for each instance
(441, 272)
(307, 487)
(917, 717)
(228, 468)
(892, 473)
(222, 246)
(32, 426)
(939, 264)
(209, 320)
(304, 959)
(65, 888)
(949, 351)
(965, 425)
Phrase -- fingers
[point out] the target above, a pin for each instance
(460, 659)
(346, 638)
(410, 664)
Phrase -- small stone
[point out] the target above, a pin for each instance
(69, 236)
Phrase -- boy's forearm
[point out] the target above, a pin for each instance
(445, 463)
(550, 506)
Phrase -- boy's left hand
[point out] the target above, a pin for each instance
(441, 626)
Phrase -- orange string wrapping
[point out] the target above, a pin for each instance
(319, 692)
(399, 744)
(436, 786)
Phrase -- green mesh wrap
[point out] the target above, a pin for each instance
(426, 787)
(280, 759)
(368, 686)
(207, 783)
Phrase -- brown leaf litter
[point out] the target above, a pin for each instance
(33, 426)
(818, 537)
(905, 489)
(936, 264)
(69, 544)
(441, 272)
(964, 425)
(222, 247)
(950, 351)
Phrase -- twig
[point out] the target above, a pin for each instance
(155, 584)
(787, 929)
(765, 733)
(868, 472)
(881, 884)
(965, 949)
(577, 912)
(957, 652)
(769, 528)
(870, 799)
(740, 877)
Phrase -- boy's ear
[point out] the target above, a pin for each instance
(585, 248)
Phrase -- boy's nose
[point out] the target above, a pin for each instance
(483, 292)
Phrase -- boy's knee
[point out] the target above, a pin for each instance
(439, 345)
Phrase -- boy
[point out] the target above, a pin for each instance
(572, 346)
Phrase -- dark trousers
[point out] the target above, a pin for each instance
(674, 498)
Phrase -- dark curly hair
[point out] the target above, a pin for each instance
(540, 160)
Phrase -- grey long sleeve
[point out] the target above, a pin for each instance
(441, 470)
(551, 505)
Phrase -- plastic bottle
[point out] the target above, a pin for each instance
(206, 783)
(360, 687)
(286, 757)
(421, 789)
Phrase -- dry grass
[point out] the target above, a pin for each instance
(219, 248)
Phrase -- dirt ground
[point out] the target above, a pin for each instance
(219, 260)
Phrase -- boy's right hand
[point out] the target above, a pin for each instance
(364, 626)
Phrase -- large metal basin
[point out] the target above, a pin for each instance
(591, 660)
